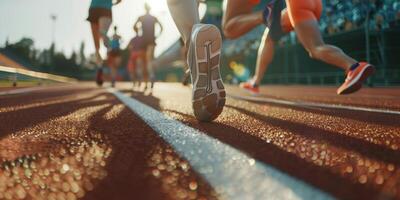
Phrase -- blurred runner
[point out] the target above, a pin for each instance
(203, 43)
(302, 17)
(114, 56)
(240, 18)
(100, 18)
(137, 56)
(186, 71)
(147, 26)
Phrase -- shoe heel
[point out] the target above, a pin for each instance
(208, 89)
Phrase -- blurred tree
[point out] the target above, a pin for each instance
(82, 57)
(7, 43)
(48, 60)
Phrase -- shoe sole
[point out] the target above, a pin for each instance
(208, 95)
(358, 82)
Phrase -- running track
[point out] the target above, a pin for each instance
(80, 141)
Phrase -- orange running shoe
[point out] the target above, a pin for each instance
(355, 78)
(249, 87)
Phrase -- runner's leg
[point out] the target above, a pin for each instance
(310, 37)
(104, 26)
(304, 18)
(204, 45)
(185, 14)
(145, 72)
(264, 57)
(239, 19)
(96, 40)
(149, 58)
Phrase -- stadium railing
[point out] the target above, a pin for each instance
(13, 76)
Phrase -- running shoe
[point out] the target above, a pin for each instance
(99, 76)
(249, 87)
(208, 92)
(356, 77)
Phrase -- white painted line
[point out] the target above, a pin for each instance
(232, 173)
(315, 105)
(19, 91)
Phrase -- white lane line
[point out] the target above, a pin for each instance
(315, 105)
(19, 91)
(232, 173)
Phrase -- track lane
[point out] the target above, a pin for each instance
(319, 145)
(234, 174)
(89, 147)
(349, 154)
(375, 98)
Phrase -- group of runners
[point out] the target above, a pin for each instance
(141, 47)
(203, 44)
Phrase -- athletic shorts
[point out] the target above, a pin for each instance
(298, 11)
(149, 41)
(133, 60)
(114, 53)
(96, 13)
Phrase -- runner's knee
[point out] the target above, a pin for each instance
(315, 52)
(319, 52)
(227, 29)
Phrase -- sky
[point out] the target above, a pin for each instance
(31, 18)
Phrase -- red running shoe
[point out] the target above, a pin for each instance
(355, 78)
(249, 87)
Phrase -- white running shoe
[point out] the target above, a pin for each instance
(208, 92)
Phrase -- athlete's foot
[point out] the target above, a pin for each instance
(250, 87)
(208, 92)
(99, 77)
(355, 78)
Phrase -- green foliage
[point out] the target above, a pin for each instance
(48, 60)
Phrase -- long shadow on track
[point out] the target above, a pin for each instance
(376, 151)
(141, 165)
(129, 174)
(14, 121)
(274, 156)
(362, 116)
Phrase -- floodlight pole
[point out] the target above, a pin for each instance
(53, 18)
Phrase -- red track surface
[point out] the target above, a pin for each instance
(80, 142)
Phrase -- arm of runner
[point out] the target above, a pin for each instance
(135, 26)
(161, 27)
